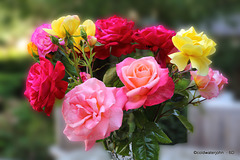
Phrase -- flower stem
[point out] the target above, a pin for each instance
(159, 110)
(66, 55)
(71, 76)
(163, 114)
(76, 64)
(197, 101)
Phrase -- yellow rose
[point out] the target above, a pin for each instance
(90, 30)
(64, 25)
(194, 47)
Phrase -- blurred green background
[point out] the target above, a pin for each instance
(25, 134)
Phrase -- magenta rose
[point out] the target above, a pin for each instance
(42, 40)
(92, 111)
(146, 83)
(44, 84)
(157, 39)
(209, 86)
(115, 35)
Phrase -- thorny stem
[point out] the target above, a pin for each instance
(163, 114)
(101, 67)
(189, 87)
(198, 101)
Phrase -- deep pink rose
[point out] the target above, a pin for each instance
(157, 39)
(44, 83)
(42, 40)
(115, 35)
(84, 76)
(209, 86)
(92, 111)
(146, 83)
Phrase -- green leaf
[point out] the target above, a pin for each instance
(140, 118)
(54, 40)
(156, 130)
(111, 79)
(99, 44)
(70, 42)
(122, 147)
(184, 120)
(182, 84)
(179, 99)
(131, 123)
(60, 56)
(35, 56)
(145, 147)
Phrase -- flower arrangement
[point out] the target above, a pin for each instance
(123, 109)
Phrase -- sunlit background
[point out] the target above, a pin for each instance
(25, 134)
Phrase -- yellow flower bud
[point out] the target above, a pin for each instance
(90, 29)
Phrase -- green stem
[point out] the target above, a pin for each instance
(71, 76)
(190, 102)
(167, 111)
(74, 55)
(105, 144)
(118, 59)
(66, 55)
(197, 101)
(101, 67)
(76, 64)
(87, 60)
(159, 110)
(188, 88)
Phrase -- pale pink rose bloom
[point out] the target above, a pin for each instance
(146, 83)
(92, 111)
(209, 86)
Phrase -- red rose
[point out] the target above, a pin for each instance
(44, 83)
(115, 35)
(158, 40)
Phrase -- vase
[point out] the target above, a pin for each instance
(115, 156)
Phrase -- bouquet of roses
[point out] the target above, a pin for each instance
(123, 109)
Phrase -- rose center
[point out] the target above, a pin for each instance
(142, 71)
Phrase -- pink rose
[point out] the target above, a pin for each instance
(42, 40)
(146, 83)
(115, 35)
(209, 86)
(44, 83)
(92, 111)
(84, 76)
(157, 39)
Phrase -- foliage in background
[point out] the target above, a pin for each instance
(12, 77)
(24, 133)
(170, 12)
